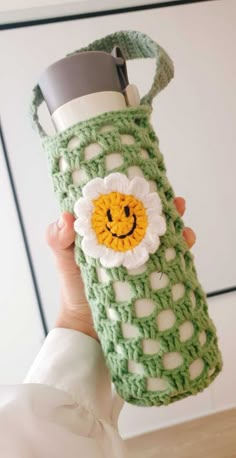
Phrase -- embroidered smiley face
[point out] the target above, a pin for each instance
(119, 220)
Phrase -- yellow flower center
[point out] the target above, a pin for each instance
(119, 220)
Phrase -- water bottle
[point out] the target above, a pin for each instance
(149, 309)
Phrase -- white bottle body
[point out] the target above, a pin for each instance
(86, 107)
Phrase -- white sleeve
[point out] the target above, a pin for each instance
(65, 406)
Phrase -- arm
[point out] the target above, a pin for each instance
(65, 406)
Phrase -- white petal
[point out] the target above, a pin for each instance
(162, 225)
(83, 226)
(157, 224)
(111, 258)
(116, 182)
(91, 247)
(83, 207)
(151, 241)
(138, 187)
(152, 200)
(94, 188)
(152, 214)
(136, 257)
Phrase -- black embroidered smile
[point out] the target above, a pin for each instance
(127, 213)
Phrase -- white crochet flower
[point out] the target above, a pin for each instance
(120, 220)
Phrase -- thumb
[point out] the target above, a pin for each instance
(60, 235)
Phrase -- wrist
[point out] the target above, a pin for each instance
(76, 323)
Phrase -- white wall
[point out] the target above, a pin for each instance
(21, 333)
(23, 10)
(6, 5)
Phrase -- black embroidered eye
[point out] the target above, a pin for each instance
(109, 215)
(127, 210)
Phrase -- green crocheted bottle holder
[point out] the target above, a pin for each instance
(167, 350)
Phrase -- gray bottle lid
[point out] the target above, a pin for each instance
(81, 74)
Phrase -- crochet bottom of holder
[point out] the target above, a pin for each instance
(135, 395)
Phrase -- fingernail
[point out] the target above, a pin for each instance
(60, 222)
(189, 229)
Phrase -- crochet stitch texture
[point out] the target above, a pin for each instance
(171, 351)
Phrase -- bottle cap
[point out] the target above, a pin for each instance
(81, 74)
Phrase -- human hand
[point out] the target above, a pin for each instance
(74, 310)
(188, 233)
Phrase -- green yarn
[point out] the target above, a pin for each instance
(200, 349)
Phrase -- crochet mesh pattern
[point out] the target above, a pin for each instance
(170, 351)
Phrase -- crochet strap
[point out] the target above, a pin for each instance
(134, 45)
